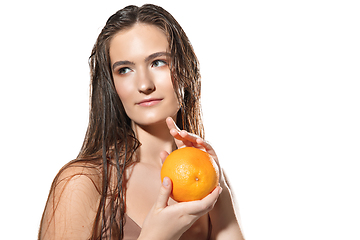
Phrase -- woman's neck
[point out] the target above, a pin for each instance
(154, 139)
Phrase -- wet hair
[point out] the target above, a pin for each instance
(110, 144)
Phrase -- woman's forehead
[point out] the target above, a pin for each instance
(139, 41)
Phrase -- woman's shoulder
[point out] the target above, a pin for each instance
(76, 181)
(73, 201)
(78, 171)
(77, 177)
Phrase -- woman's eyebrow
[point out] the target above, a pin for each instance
(155, 55)
(119, 63)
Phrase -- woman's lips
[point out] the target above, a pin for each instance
(149, 102)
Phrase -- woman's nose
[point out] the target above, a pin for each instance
(146, 84)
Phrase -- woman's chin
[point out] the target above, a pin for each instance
(153, 120)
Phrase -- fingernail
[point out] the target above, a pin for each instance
(220, 191)
(166, 182)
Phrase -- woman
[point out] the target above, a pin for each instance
(145, 82)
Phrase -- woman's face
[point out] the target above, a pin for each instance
(140, 65)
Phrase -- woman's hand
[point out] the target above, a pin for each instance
(171, 221)
(186, 139)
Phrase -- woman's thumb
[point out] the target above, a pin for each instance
(164, 194)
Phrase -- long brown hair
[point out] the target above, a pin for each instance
(110, 142)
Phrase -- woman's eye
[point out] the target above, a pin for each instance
(158, 63)
(124, 70)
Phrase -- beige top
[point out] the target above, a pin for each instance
(131, 229)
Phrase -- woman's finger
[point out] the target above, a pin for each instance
(206, 145)
(200, 207)
(164, 194)
(182, 137)
(171, 124)
(163, 156)
(174, 131)
(189, 136)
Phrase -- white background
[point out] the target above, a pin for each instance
(281, 102)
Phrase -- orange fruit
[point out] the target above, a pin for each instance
(193, 172)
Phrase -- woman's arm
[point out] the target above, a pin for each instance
(223, 217)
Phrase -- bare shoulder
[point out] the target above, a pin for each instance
(82, 176)
(72, 203)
